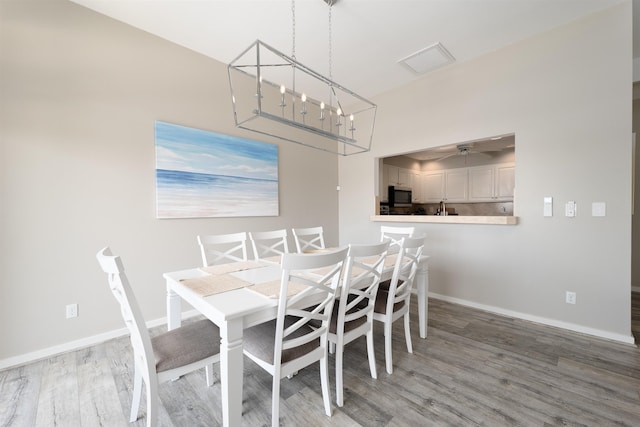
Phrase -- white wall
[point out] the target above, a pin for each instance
(79, 93)
(566, 95)
(635, 225)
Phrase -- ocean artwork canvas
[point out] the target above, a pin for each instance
(206, 174)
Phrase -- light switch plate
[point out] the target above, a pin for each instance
(598, 209)
(548, 207)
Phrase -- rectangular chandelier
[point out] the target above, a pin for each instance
(273, 94)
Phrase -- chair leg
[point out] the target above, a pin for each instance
(387, 346)
(407, 333)
(275, 403)
(339, 383)
(137, 394)
(371, 354)
(324, 380)
(152, 402)
(209, 373)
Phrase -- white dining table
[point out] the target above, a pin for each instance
(238, 309)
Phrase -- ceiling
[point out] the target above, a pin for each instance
(485, 147)
(369, 36)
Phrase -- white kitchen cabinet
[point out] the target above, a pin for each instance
(384, 186)
(405, 178)
(456, 185)
(416, 187)
(491, 183)
(446, 185)
(391, 173)
(432, 187)
(505, 182)
(482, 183)
(398, 176)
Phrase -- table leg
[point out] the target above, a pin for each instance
(174, 309)
(231, 372)
(422, 279)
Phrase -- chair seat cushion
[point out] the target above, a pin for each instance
(260, 341)
(186, 344)
(348, 326)
(381, 302)
(385, 285)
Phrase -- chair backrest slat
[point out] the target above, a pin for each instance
(223, 248)
(405, 269)
(361, 278)
(269, 244)
(395, 235)
(132, 316)
(308, 239)
(319, 276)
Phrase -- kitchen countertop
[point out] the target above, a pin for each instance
(447, 219)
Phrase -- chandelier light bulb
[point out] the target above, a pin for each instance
(259, 94)
(304, 105)
(282, 103)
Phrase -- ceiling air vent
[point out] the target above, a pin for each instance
(428, 59)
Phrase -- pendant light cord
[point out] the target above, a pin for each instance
(330, 45)
(293, 27)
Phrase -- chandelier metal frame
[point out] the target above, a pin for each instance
(276, 95)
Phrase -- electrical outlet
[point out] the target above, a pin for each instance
(72, 311)
(570, 298)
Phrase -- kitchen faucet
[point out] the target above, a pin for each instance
(443, 209)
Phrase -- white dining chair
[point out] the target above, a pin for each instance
(269, 245)
(395, 235)
(287, 344)
(166, 356)
(308, 239)
(353, 312)
(393, 297)
(223, 248)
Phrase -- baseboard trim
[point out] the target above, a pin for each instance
(23, 359)
(625, 339)
(12, 362)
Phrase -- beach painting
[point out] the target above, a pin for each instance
(206, 174)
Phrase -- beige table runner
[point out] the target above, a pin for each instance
(319, 251)
(209, 285)
(389, 261)
(231, 267)
(272, 289)
(326, 270)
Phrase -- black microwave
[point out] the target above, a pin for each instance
(399, 197)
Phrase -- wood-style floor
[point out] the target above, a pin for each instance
(475, 368)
